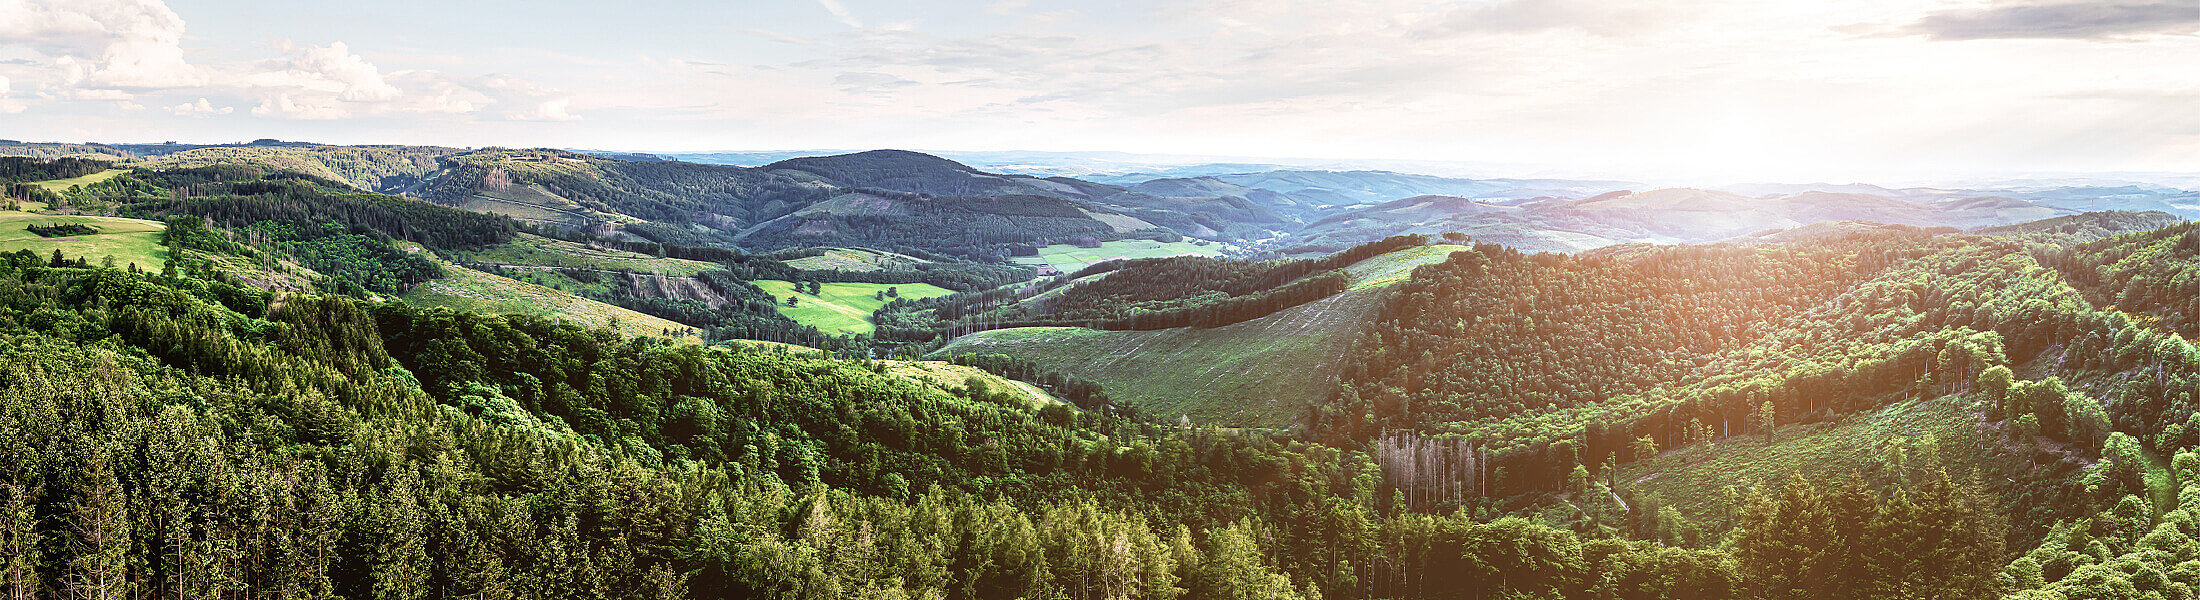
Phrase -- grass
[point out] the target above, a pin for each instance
(952, 377)
(1068, 259)
(531, 203)
(857, 260)
(1693, 479)
(1396, 266)
(533, 250)
(1260, 373)
(842, 308)
(936, 374)
(62, 185)
(470, 290)
(128, 240)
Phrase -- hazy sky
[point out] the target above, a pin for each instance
(1822, 90)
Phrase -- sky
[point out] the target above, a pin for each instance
(1833, 90)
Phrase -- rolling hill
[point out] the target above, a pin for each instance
(1666, 216)
(1185, 209)
(1260, 373)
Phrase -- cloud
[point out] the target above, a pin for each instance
(840, 12)
(435, 92)
(306, 108)
(526, 101)
(776, 36)
(200, 108)
(2061, 20)
(330, 69)
(123, 44)
(8, 106)
(1527, 16)
(547, 110)
(869, 82)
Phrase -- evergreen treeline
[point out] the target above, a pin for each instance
(171, 435)
(300, 202)
(25, 168)
(1530, 367)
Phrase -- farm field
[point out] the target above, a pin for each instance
(471, 290)
(128, 240)
(842, 308)
(1068, 258)
(1258, 373)
(534, 250)
(857, 260)
(61, 185)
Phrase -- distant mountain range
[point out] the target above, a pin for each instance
(911, 200)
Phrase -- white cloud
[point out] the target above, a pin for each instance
(200, 108)
(526, 101)
(123, 44)
(547, 110)
(8, 106)
(840, 12)
(434, 92)
(309, 108)
(330, 69)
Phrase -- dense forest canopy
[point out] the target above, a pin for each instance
(1508, 425)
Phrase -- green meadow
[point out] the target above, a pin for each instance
(842, 308)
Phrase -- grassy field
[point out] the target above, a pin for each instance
(857, 259)
(536, 250)
(62, 185)
(842, 308)
(128, 240)
(1260, 373)
(1068, 258)
(471, 290)
(1396, 266)
(533, 204)
(1693, 479)
(951, 377)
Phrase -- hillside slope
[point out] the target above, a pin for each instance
(1259, 373)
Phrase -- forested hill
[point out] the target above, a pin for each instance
(906, 171)
(181, 431)
(1230, 213)
(172, 434)
(261, 398)
(2059, 376)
